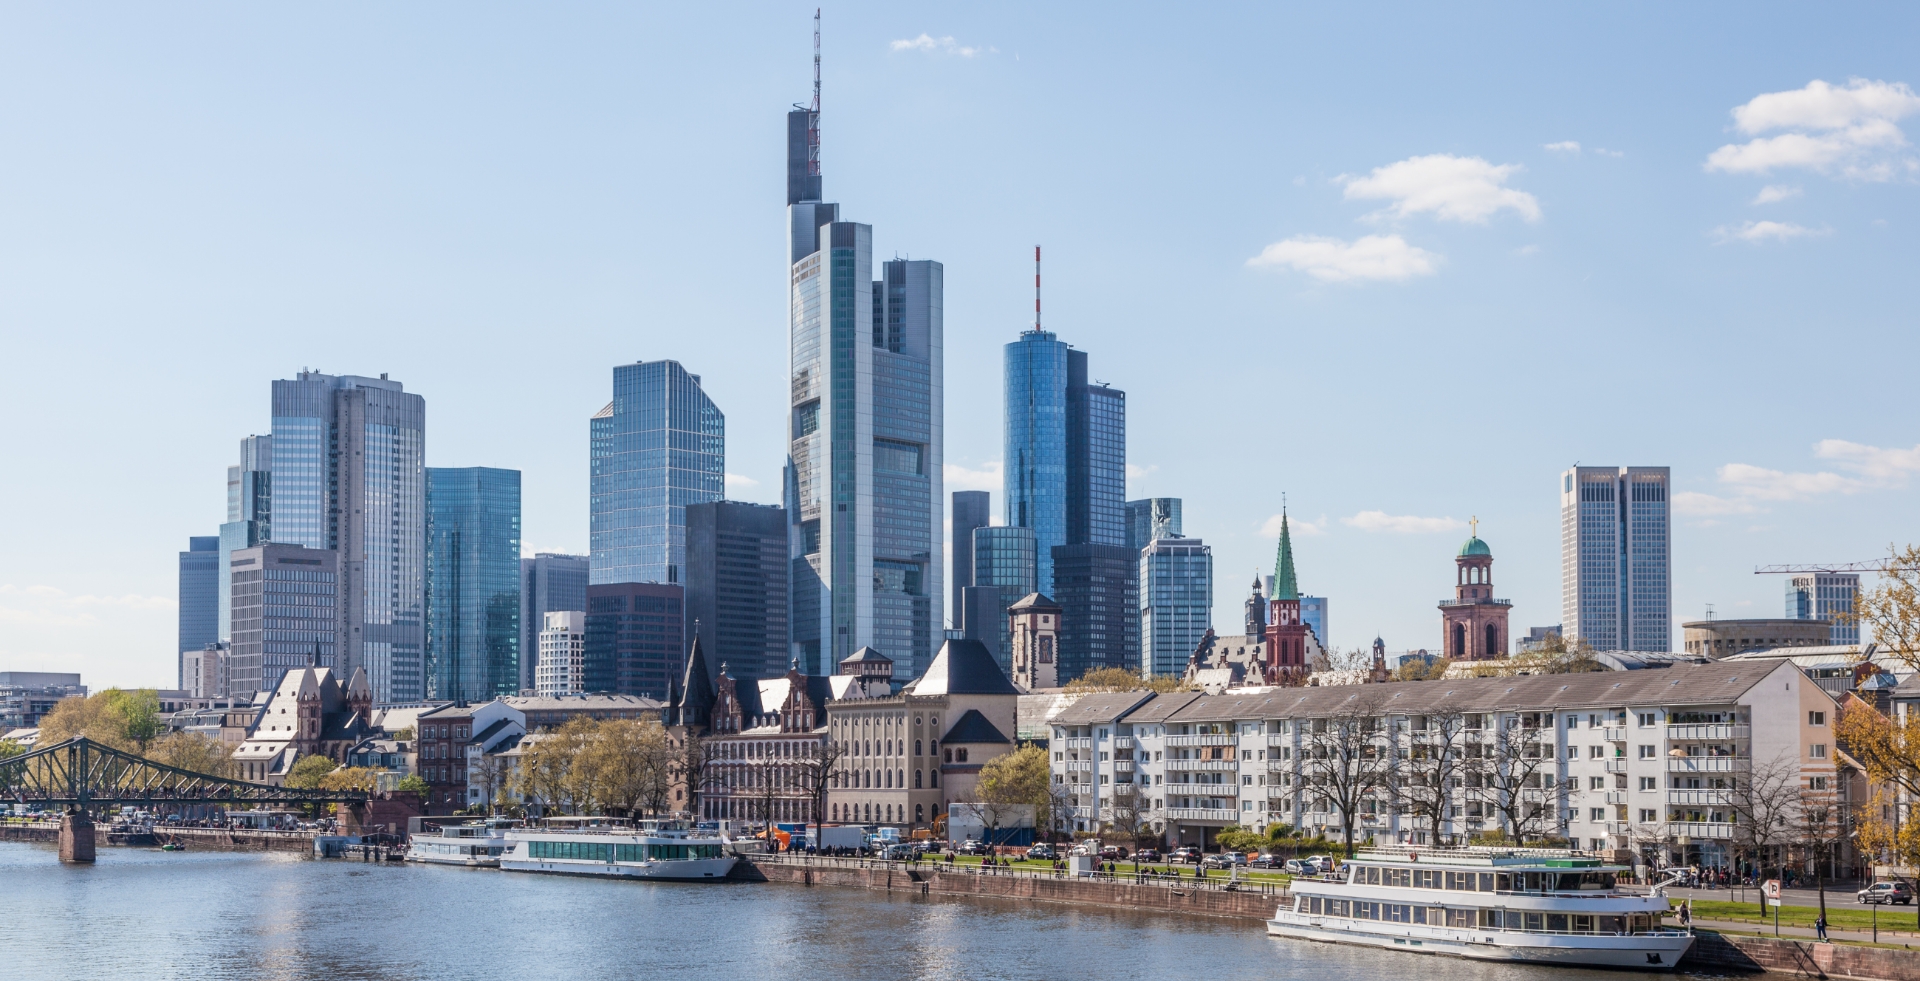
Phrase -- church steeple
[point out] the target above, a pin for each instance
(1286, 586)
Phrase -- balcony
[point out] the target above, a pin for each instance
(1616, 797)
(1077, 766)
(1707, 764)
(1219, 740)
(1123, 742)
(1619, 828)
(1699, 829)
(1279, 739)
(1483, 601)
(1617, 764)
(1279, 766)
(1123, 766)
(1708, 732)
(1700, 798)
(1614, 734)
(1206, 789)
(1213, 765)
(1077, 742)
(1221, 815)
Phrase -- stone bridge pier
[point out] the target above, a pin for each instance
(77, 840)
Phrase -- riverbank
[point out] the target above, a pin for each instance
(201, 838)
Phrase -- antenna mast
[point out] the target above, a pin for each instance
(1036, 289)
(813, 112)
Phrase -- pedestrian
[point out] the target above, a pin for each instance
(1820, 928)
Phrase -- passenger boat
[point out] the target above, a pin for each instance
(1528, 905)
(476, 843)
(617, 848)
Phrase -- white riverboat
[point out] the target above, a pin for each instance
(1527, 905)
(612, 847)
(477, 844)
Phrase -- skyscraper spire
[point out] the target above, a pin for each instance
(1286, 585)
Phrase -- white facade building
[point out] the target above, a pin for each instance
(562, 669)
(1615, 558)
(1629, 759)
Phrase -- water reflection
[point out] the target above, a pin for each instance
(221, 915)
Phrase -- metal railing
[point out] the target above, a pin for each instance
(1707, 798)
(1614, 734)
(1202, 814)
(1708, 730)
(1699, 829)
(1123, 766)
(1216, 880)
(1222, 765)
(1617, 764)
(1223, 739)
(1707, 764)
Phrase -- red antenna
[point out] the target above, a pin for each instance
(813, 117)
(1036, 288)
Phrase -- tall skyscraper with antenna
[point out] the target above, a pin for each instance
(862, 487)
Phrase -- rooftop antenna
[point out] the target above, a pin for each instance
(1036, 289)
(813, 111)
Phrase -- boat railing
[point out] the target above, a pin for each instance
(1215, 883)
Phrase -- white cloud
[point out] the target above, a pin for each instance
(1405, 524)
(1295, 524)
(1451, 188)
(740, 482)
(1749, 488)
(1603, 151)
(1564, 146)
(1136, 471)
(1764, 231)
(1533, 249)
(986, 478)
(1776, 192)
(941, 45)
(1370, 257)
(1849, 130)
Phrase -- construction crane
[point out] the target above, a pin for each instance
(1872, 565)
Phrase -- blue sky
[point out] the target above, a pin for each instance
(1403, 264)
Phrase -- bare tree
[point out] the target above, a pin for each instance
(1124, 816)
(1516, 767)
(1349, 758)
(1765, 805)
(817, 771)
(1819, 829)
(1427, 785)
(491, 773)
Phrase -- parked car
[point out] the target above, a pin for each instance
(1146, 855)
(899, 853)
(1323, 864)
(1113, 853)
(1886, 892)
(1302, 866)
(1219, 861)
(1187, 854)
(1042, 852)
(974, 846)
(1264, 860)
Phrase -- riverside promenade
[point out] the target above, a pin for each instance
(212, 838)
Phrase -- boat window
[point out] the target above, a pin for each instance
(1556, 922)
(1490, 918)
(1502, 882)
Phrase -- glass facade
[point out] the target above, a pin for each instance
(549, 582)
(286, 615)
(907, 303)
(349, 475)
(1176, 602)
(1826, 596)
(1096, 459)
(659, 446)
(635, 638)
(249, 518)
(1035, 481)
(1003, 572)
(473, 583)
(199, 597)
(1153, 518)
(1615, 557)
(971, 509)
(1313, 613)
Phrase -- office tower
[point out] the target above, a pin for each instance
(287, 613)
(1098, 590)
(203, 673)
(1313, 613)
(971, 509)
(199, 598)
(249, 516)
(1035, 469)
(1825, 596)
(659, 446)
(863, 477)
(349, 475)
(737, 586)
(549, 581)
(635, 639)
(1176, 602)
(1153, 518)
(563, 636)
(473, 583)
(1096, 458)
(1003, 570)
(1614, 558)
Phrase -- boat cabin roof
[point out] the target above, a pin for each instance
(1491, 859)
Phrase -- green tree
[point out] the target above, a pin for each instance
(9, 749)
(124, 720)
(1120, 679)
(1235, 839)
(348, 778)
(1014, 779)
(308, 770)
(192, 751)
(413, 784)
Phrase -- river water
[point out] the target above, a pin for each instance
(143, 914)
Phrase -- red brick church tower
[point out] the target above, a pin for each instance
(1474, 625)
(1286, 633)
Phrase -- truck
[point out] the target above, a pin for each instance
(842, 836)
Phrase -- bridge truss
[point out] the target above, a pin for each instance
(80, 773)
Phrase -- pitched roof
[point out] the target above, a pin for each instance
(1033, 601)
(866, 654)
(1286, 585)
(974, 728)
(963, 667)
(1100, 707)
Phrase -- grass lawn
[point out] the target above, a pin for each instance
(1838, 918)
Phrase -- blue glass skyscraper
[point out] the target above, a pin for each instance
(249, 519)
(659, 446)
(1035, 471)
(863, 478)
(473, 583)
(349, 475)
(199, 597)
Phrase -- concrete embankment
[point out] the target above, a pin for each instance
(1252, 904)
(1728, 952)
(200, 838)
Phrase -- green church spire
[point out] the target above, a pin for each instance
(1286, 586)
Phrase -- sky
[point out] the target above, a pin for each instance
(1399, 264)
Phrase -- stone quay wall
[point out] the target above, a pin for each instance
(207, 838)
(1253, 904)
(1803, 958)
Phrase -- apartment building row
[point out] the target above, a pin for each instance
(1609, 760)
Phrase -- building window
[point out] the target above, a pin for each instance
(1817, 751)
(1816, 718)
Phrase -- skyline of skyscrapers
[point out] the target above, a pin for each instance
(1003, 572)
(658, 446)
(1615, 562)
(549, 582)
(862, 486)
(473, 583)
(349, 475)
(635, 641)
(737, 586)
(199, 599)
(1176, 602)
